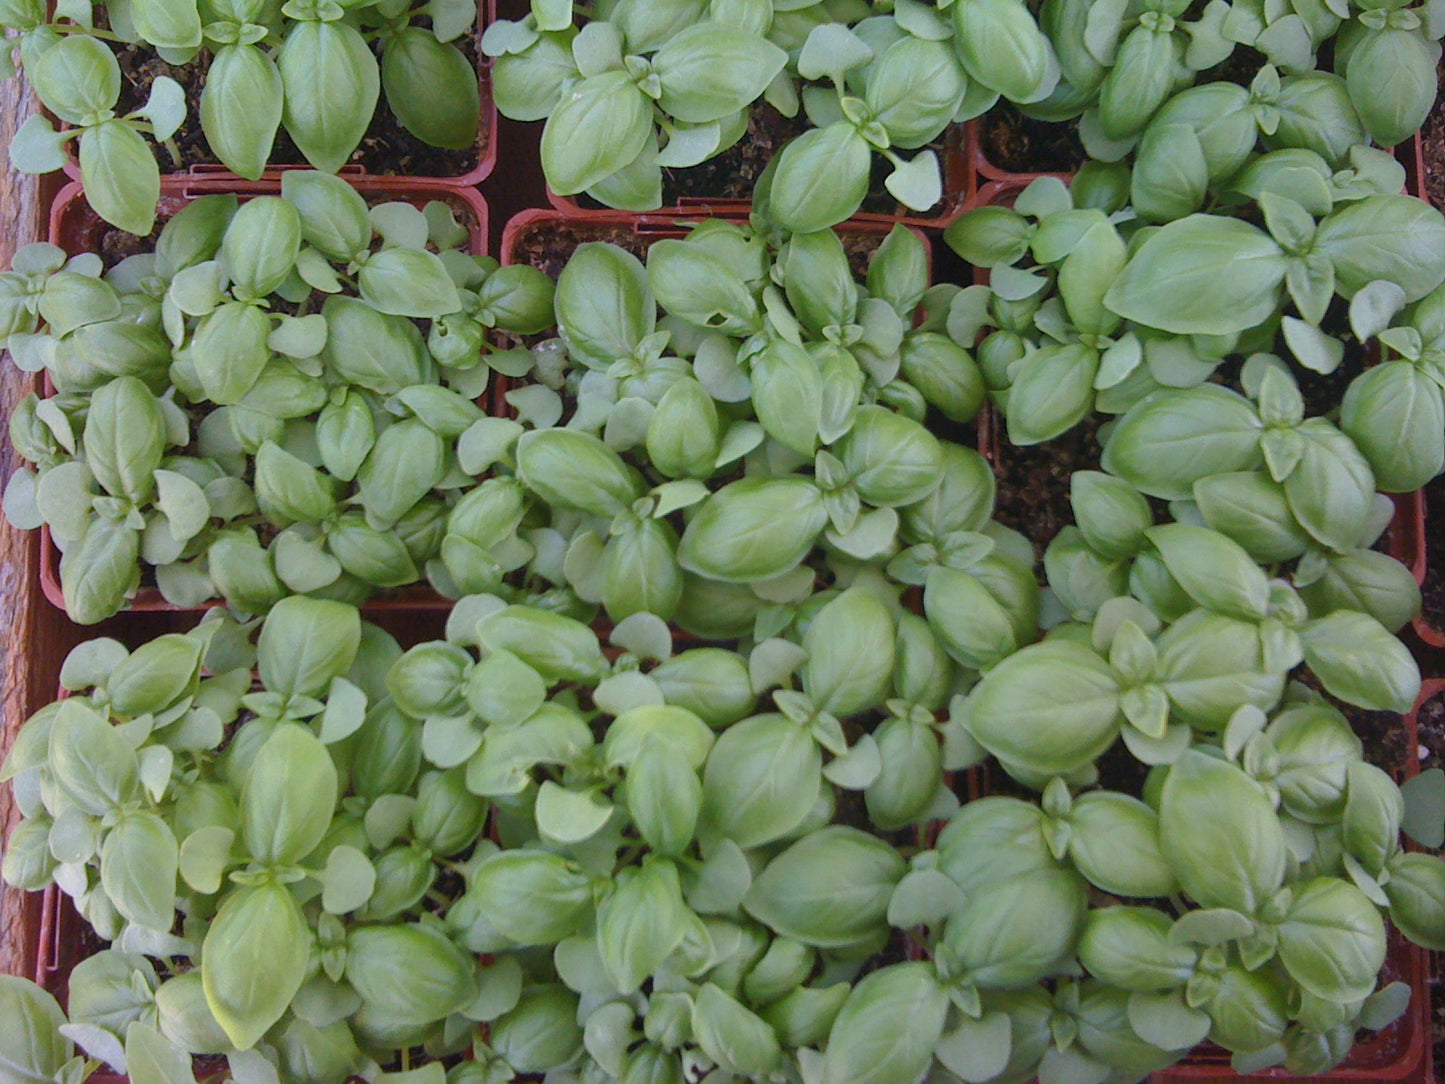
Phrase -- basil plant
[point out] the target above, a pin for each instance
(316, 68)
(78, 79)
(1122, 62)
(264, 405)
(1083, 309)
(769, 427)
(1240, 902)
(271, 837)
(637, 90)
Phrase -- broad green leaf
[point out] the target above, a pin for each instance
(254, 959)
(830, 889)
(1201, 275)
(241, 106)
(138, 865)
(332, 83)
(601, 125)
(304, 643)
(886, 1030)
(1220, 833)
(1051, 708)
(289, 796)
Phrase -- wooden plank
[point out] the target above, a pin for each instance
(28, 623)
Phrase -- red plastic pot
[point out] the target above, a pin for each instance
(1409, 539)
(959, 182)
(656, 225)
(991, 179)
(486, 140)
(644, 229)
(77, 228)
(1403, 1051)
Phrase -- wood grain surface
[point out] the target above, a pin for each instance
(27, 624)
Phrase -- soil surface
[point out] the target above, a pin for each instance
(549, 244)
(1432, 138)
(1033, 482)
(1431, 736)
(387, 148)
(1432, 591)
(1016, 143)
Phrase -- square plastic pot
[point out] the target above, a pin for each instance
(75, 227)
(486, 140)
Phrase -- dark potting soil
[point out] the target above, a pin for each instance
(1432, 139)
(734, 173)
(1432, 591)
(549, 244)
(387, 148)
(1016, 143)
(1430, 734)
(1033, 481)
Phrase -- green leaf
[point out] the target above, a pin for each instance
(1166, 443)
(888, 1027)
(1051, 708)
(241, 107)
(1216, 572)
(557, 647)
(91, 762)
(831, 889)
(1114, 843)
(408, 975)
(150, 1058)
(917, 183)
(125, 438)
(1332, 940)
(32, 1049)
(332, 84)
(204, 856)
(832, 49)
(1424, 796)
(761, 781)
(77, 78)
(1357, 660)
(576, 470)
(604, 304)
(601, 125)
(99, 574)
(532, 897)
(37, 147)
(305, 643)
(1002, 47)
(289, 797)
(640, 923)
(138, 865)
(1220, 832)
(819, 179)
(732, 1035)
(254, 959)
(710, 70)
(569, 816)
(431, 87)
(753, 529)
(230, 351)
(167, 24)
(1201, 275)
(122, 181)
(408, 282)
(1389, 237)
